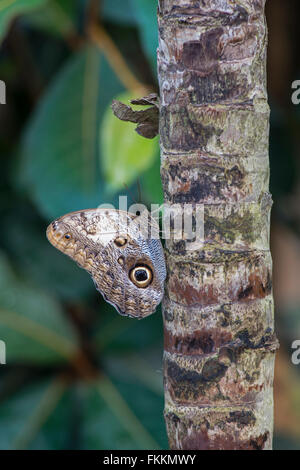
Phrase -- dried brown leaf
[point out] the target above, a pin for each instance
(146, 119)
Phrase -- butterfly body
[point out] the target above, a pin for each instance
(127, 266)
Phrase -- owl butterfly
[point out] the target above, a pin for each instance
(116, 248)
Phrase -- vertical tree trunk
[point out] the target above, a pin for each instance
(218, 308)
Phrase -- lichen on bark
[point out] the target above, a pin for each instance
(218, 307)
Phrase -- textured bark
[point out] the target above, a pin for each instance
(218, 307)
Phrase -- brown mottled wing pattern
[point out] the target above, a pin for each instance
(127, 266)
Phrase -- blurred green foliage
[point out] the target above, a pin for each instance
(79, 376)
(59, 148)
(10, 9)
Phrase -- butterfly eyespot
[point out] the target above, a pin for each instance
(120, 241)
(67, 236)
(141, 276)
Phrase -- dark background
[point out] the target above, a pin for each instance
(78, 376)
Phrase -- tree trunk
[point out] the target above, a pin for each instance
(218, 307)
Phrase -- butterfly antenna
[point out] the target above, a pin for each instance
(139, 201)
(131, 194)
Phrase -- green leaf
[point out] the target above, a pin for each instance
(48, 414)
(35, 417)
(32, 323)
(117, 334)
(145, 11)
(144, 367)
(100, 428)
(118, 11)
(118, 389)
(140, 13)
(56, 17)
(107, 420)
(60, 149)
(125, 154)
(9, 9)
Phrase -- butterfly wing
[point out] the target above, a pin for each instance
(127, 265)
